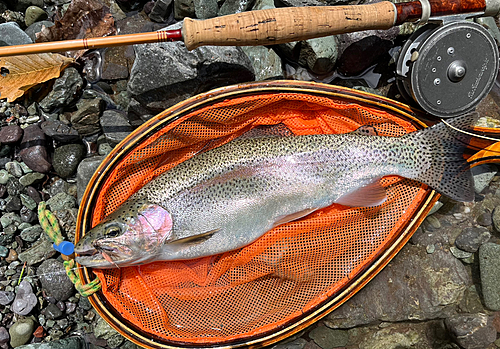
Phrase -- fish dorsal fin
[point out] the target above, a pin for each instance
(194, 239)
(366, 130)
(373, 194)
(293, 216)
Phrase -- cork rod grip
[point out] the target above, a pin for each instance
(277, 26)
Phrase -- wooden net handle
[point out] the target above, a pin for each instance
(277, 26)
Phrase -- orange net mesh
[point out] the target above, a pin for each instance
(287, 272)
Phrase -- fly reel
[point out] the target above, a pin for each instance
(448, 69)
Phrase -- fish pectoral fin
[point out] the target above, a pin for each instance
(194, 239)
(293, 216)
(373, 194)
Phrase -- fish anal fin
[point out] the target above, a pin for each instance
(294, 216)
(194, 239)
(373, 194)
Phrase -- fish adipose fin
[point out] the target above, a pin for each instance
(440, 157)
(195, 239)
(370, 195)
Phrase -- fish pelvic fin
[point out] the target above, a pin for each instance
(372, 194)
(194, 239)
(440, 157)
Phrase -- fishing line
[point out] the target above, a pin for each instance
(470, 133)
(51, 273)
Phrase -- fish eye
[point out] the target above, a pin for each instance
(112, 231)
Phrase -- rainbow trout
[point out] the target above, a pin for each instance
(228, 197)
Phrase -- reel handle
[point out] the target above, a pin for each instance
(277, 26)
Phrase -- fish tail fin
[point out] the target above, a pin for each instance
(441, 163)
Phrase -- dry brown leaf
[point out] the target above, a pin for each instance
(19, 73)
(82, 19)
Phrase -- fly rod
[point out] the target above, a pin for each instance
(277, 26)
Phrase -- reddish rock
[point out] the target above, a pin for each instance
(10, 134)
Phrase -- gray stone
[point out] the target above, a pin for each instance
(495, 217)
(6, 297)
(14, 168)
(4, 335)
(235, 6)
(9, 218)
(31, 234)
(21, 332)
(86, 119)
(399, 336)
(41, 250)
(205, 8)
(85, 171)
(301, 3)
(266, 63)
(13, 204)
(318, 55)
(34, 14)
(470, 239)
(115, 126)
(484, 219)
(66, 343)
(12, 34)
(66, 159)
(4, 251)
(489, 265)
(35, 28)
(105, 331)
(4, 176)
(299, 343)
(61, 201)
(59, 131)
(25, 299)
(64, 91)
(458, 253)
(31, 178)
(472, 331)
(117, 64)
(184, 8)
(327, 338)
(166, 73)
(433, 283)
(162, 10)
(14, 187)
(54, 280)
(483, 174)
(52, 312)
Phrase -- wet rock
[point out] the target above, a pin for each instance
(54, 280)
(484, 219)
(266, 63)
(34, 154)
(4, 335)
(105, 331)
(184, 8)
(10, 218)
(41, 250)
(31, 234)
(327, 338)
(434, 282)
(489, 265)
(14, 187)
(164, 74)
(205, 8)
(360, 50)
(65, 343)
(21, 332)
(318, 55)
(299, 343)
(14, 168)
(495, 217)
(27, 215)
(12, 256)
(399, 336)
(66, 159)
(12, 34)
(458, 253)
(64, 91)
(471, 238)
(61, 201)
(4, 176)
(67, 219)
(117, 64)
(115, 126)
(25, 299)
(10, 134)
(28, 201)
(13, 204)
(6, 297)
(235, 6)
(36, 27)
(472, 331)
(34, 14)
(52, 312)
(162, 11)
(4, 251)
(86, 119)
(60, 131)
(483, 174)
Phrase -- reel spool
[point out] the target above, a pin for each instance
(448, 69)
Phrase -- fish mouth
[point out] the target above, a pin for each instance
(103, 257)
